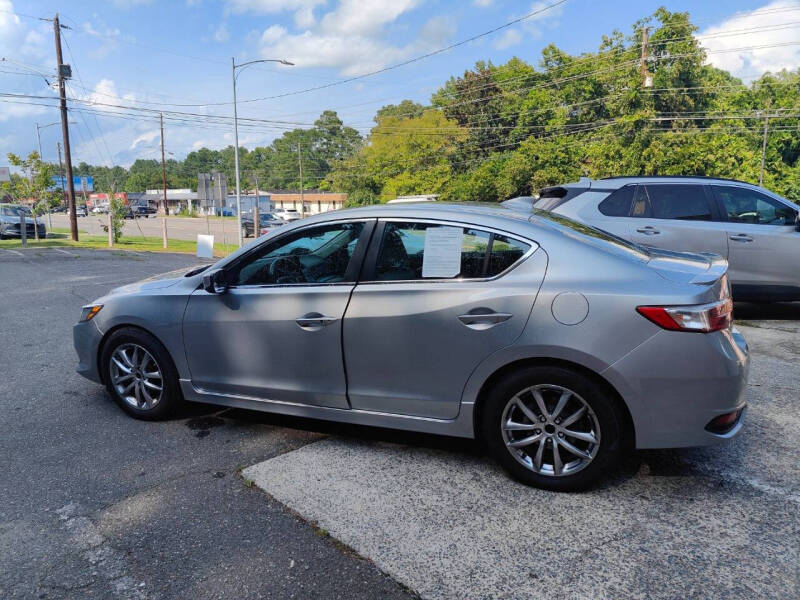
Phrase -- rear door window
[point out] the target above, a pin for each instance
(684, 202)
(452, 252)
(743, 205)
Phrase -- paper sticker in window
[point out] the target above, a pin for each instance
(442, 254)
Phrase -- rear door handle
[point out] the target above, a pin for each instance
(741, 237)
(314, 321)
(648, 230)
(483, 320)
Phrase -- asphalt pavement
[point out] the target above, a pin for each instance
(94, 504)
(235, 504)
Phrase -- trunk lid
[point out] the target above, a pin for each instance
(686, 267)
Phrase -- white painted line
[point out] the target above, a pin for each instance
(15, 252)
(64, 252)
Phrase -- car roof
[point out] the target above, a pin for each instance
(453, 211)
(624, 179)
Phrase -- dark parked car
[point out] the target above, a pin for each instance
(10, 222)
(139, 212)
(266, 221)
(81, 211)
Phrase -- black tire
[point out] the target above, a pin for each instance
(170, 398)
(602, 407)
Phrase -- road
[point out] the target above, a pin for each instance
(179, 228)
(94, 504)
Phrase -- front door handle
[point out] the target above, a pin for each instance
(479, 319)
(741, 237)
(648, 230)
(314, 321)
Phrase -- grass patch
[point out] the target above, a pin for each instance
(60, 238)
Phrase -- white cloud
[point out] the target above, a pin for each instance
(511, 37)
(221, 34)
(304, 18)
(533, 25)
(356, 17)
(482, 3)
(19, 39)
(130, 3)
(437, 31)
(768, 25)
(269, 6)
(352, 36)
(146, 137)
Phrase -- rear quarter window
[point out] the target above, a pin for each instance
(618, 203)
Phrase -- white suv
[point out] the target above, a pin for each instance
(758, 232)
(287, 214)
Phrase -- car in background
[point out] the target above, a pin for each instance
(139, 212)
(554, 342)
(757, 231)
(100, 209)
(266, 223)
(11, 222)
(81, 211)
(287, 214)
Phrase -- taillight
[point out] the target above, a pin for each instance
(702, 318)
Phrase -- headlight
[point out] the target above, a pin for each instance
(88, 313)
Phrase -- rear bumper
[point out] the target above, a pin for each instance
(676, 382)
(86, 339)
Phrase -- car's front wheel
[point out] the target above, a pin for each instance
(553, 428)
(139, 374)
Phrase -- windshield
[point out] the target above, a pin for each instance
(594, 235)
(12, 211)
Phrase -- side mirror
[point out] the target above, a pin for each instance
(216, 282)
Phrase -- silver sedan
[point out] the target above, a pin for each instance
(557, 344)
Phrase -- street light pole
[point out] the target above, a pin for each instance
(234, 66)
(39, 139)
(236, 155)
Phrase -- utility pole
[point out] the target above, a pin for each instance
(764, 150)
(647, 78)
(64, 72)
(164, 180)
(61, 175)
(302, 196)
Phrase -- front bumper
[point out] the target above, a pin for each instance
(86, 338)
(675, 383)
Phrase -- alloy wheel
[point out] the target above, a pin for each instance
(136, 376)
(550, 430)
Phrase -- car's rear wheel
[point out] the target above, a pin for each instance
(139, 374)
(553, 428)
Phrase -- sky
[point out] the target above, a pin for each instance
(176, 56)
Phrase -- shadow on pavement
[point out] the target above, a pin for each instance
(361, 432)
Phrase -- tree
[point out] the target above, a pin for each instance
(35, 184)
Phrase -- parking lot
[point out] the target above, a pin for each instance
(96, 505)
(178, 228)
